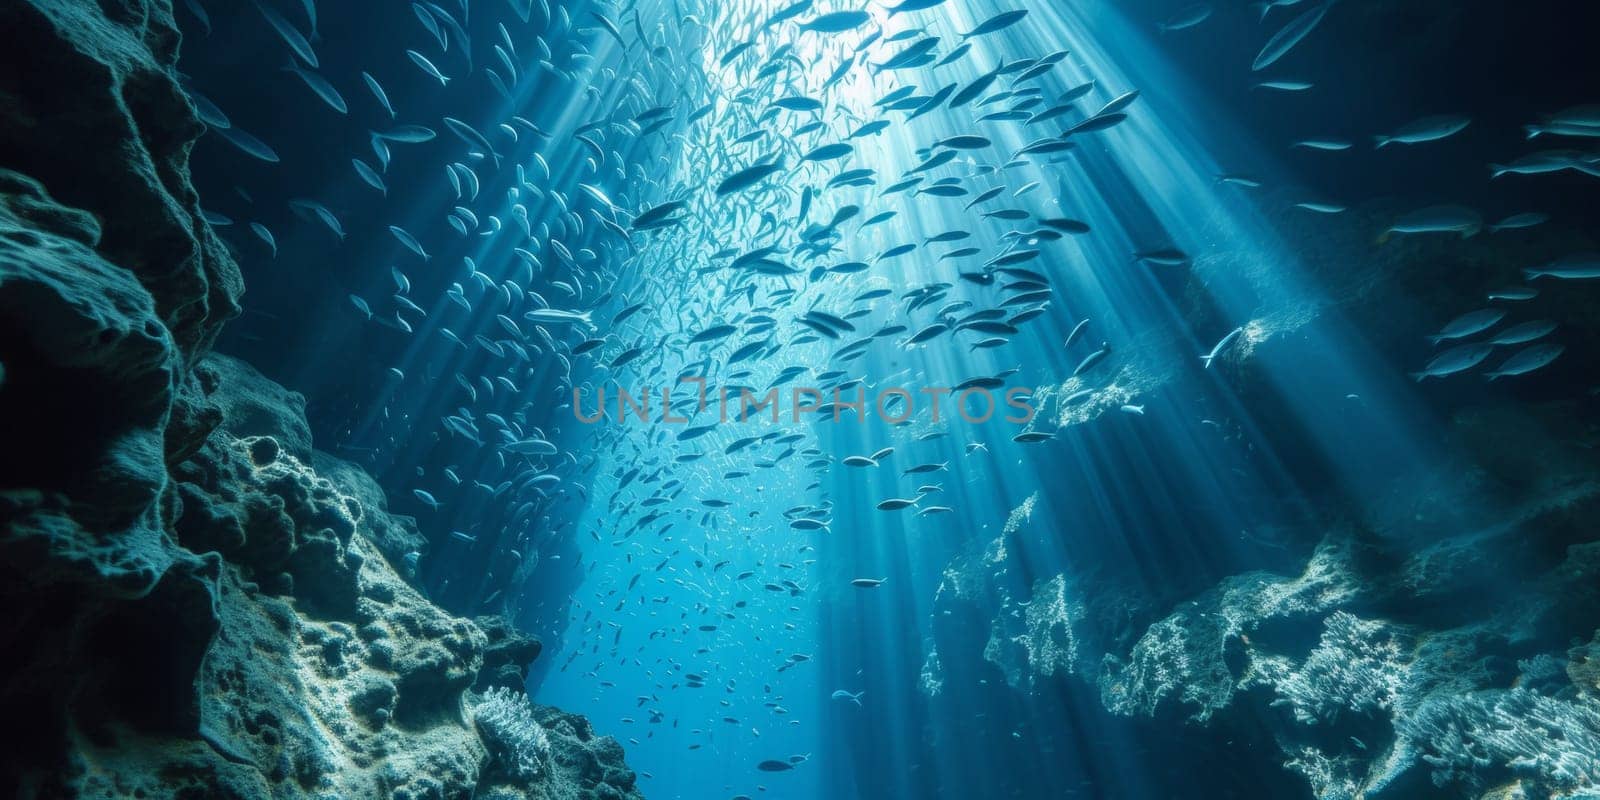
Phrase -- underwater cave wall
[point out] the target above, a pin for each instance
(194, 602)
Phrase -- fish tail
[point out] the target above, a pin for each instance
(1531, 274)
(1533, 131)
(1496, 170)
(1419, 377)
(1206, 359)
(1379, 141)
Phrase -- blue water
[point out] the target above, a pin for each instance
(1167, 479)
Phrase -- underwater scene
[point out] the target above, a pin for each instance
(799, 399)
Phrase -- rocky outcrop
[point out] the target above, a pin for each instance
(193, 601)
(95, 114)
(1463, 668)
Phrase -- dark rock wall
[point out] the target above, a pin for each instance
(193, 601)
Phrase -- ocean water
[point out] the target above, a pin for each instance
(1066, 606)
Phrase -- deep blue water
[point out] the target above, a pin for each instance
(1169, 478)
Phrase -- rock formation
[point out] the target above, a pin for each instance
(193, 601)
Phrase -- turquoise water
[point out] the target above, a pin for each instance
(1204, 292)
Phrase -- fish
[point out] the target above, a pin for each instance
(369, 176)
(998, 22)
(1577, 121)
(555, 316)
(378, 93)
(1527, 360)
(1289, 36)
(410, 242)
(1514, 293)
(1187, 18)
(248, 143)
(1439, 219)
(207, 111)
(1426, 129)
(1221, 346)
(913, 5)
(266, 236)
(1327, 145)
(836, 21)
(1546, 162)
(408, 134)
(747, 177)
(1092, 359)
(427, 66)
(1577, 266)
(868, 583)
(1165, 256)
(1454, 360)
(1286, 86)
(321, 87)
(1521, 221)
(291, 36)
(1471, 323)
(1524, 332)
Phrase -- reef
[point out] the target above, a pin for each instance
(1433, 639)
(194, 602)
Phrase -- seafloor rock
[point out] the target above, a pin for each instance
(395, 535)
(255, 406)
(293, 661)
(1424, 681)
(507, 656)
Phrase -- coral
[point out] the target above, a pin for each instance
(1038, 641)
(1360, 666)
(931, 679)
(1552, 745)
(1184, 656)
(517, 740)
(582, 766)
